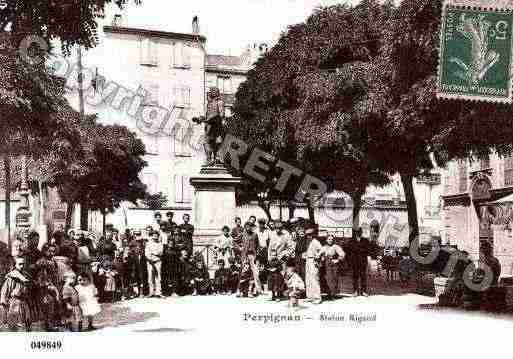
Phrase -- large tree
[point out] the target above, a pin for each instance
(295, 101)
(107, 172)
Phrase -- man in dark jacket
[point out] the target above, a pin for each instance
(248, 254)
(359, 251)
(186, 231)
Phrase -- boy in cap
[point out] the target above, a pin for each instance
(295, 285)
(221, 278)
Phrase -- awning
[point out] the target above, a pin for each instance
(504, 200)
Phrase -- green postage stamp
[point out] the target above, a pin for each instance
(475, 54)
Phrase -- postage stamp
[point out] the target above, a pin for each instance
(475, 54)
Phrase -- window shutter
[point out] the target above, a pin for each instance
(153, 52)
(187, 190)
(186, 56)
(178, 189)
(186, 96)
(143, 50)
(154, 93)
(463, 176)
(508, 171)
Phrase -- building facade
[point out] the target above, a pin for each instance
(477, 207)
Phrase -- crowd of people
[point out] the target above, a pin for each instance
(62, 284)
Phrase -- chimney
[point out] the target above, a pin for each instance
(116, 21)
(195, 25)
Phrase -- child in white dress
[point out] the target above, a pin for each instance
(88, 299)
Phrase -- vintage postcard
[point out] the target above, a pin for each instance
(256, 178)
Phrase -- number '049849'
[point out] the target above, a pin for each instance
(46, 345)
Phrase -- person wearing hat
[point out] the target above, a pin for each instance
(300, 251)
(223, 245)
(314, 254)
(170, 222)
(280, 244)
(334, 255)
(136, 268)
(186, 232)
(248, 254)
(153, 253)
(264, 237)
(360, 250)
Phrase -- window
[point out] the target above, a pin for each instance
(508, 171)
(152, 145)
(152, 96)
(463, 175)
(183, 190)
(182, 136)
(181, 97)
(150, 179)
(485, 162)
(181, 57)
(446, 181)
(148, 49)
(224, 84)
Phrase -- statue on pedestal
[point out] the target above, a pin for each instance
(214, 126)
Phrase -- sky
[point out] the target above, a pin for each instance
(229, 25)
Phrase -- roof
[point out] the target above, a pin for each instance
(504, 200)
(226, 64)
(224, 60)
(153, 33)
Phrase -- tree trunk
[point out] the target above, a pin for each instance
(104, 215)
(266, 209)
(84, 216)
(357, 206)
(411, 204)
(41, 204)
(7, 168)
(311, 210)
(292, 209)
(69, 213)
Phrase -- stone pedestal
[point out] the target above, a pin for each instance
(214, 202)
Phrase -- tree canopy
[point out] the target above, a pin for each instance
(74, 22)
(296, 103)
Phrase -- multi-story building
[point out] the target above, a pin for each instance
(477, 199)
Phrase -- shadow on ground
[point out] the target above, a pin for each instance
(114, 315)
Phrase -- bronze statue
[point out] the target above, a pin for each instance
(214, 126)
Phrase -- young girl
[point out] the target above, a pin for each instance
(110, 274)
(87, 299)
(72, 313)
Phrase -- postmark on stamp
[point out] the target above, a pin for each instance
(475, 54)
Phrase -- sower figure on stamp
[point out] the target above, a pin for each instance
(214, 126)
